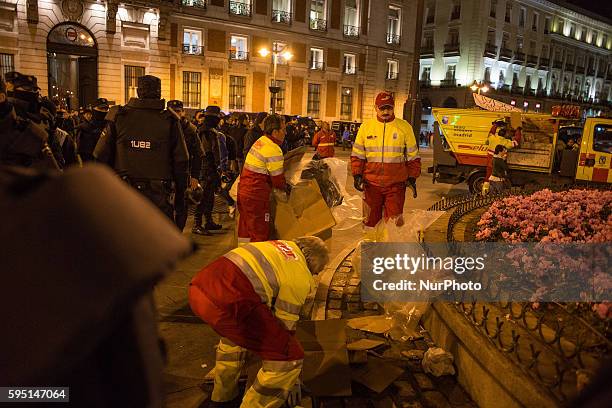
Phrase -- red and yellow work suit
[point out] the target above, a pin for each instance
(262, 171)
(493, 140)
(252, 297)
(324, 141)
(385, 154)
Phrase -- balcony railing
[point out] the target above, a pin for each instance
(190, 49)
(392, 76)
(349, 70)
(201, 4)
(393, 39)
(532, 61)
(351, 31)
(448, 83)
(317, 65)
(318, 24)
(519, 56)
(427, 52)
(544, 62)
(451, 50)
(557, 64)
(569, 67)
(235, 55)
(505, 54)
(490, 50)
(237, 8)
(425, 83)
(281, 16)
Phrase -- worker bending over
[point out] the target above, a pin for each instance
(252, 297)
(498, 135)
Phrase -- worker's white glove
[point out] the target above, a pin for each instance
(295, 395)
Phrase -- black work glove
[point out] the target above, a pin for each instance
(358, 182)
(411, 182)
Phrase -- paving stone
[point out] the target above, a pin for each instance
(353, 290)
(423, 381)
(339, 282)
(345, 268)
(337, 288)
(413, 354)
(342, 276)
(352, 298)
(334, 314)
(370, 306)
(405, 389)
(354, 281)
(435, 399)
(353, 307)
(411, 404)
(334, 304)
(335, 294)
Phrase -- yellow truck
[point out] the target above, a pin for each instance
(460, 149)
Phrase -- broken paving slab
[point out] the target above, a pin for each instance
(377, 374)
(364, 344)
(373, 324)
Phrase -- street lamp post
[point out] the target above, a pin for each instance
(274, 89)
(479, 87)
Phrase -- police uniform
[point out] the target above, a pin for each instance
(144, 143)
(196, 153)
(24, 134)
(88, 132)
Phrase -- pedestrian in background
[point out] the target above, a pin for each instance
(238, 133)
(346, 138)
(324, 141)
(254, 133)
(499, 173)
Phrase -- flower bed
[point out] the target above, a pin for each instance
(573, 216)
(546, 216)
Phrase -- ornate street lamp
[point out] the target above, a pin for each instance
(479, 87)
(274, 89)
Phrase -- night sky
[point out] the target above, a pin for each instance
(602, 7)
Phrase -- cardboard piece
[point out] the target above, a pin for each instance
(374, 324)
(364, 344)
(305, 213)
(376, 374)
(326, 371)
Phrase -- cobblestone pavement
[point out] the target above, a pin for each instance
(414, 388)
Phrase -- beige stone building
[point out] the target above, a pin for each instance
(208, 52)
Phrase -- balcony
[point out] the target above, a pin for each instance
(236, 55)
(532, 61)
(351, 32)
(544, 62)
(451, 50)
(425, 83)
(505, 54)
(519, 57)
(318, 24)
(427, 52)
(393, 39)
(199, 4)
(569, 67)
(557, 64)
(490, 50)
(349, 70)
(189, 49)
(237, 8)
(392, 76)
(448, 83)
(317, 65)
(281, 17)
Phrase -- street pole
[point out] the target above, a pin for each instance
(414, 100)
(273, 88)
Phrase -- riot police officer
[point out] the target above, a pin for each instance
(196, 153)
(144, 143)
(24, 127)
(88, 131)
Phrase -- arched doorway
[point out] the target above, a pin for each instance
(72, 61)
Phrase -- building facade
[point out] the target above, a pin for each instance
(530, 53)
(342, 52)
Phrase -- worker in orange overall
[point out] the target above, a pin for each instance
(252, 297)
(385, 159)
(324, 140)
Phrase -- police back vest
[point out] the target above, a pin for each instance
(145, 140)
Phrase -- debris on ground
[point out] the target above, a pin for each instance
(438, 362)
(373, 324)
